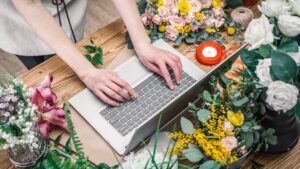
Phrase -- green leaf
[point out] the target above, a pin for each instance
(190, 39)
(100, 50)
(241, 102)
(265, 51)
(193, 154)
(207, 96)
(103, 166)
(250, 59)
(248, 137)
(128, 41)
(91, 40)
(67, 164)
(291, 46)
(97, 59)
(88, 57)
(283, 66)
(203, 115)
(68, 147)
(186, 126)
(179, 40)
(89, 48)
(211, 164)
(57, 140)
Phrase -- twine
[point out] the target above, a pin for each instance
(242, 16)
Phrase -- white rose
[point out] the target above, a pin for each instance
(295, 6)
(263, 72)
(282, 96)
(259, 32)
(274, 8)
(289, 25)
(296, 56)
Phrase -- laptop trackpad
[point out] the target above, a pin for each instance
(132, 71)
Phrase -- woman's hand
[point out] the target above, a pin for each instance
(108, 86)
(157, 60)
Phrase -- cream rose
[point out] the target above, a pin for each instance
(295, 6)
(164, 13)
(206, 3)
(274, 8)
(195, 6)
(219, 22)
(227, 125)
(229, 142)
(176, 21)
(259, 32)
(289, 25)
(263, 72)
(171, 33)
(282, 96)
(157, 19)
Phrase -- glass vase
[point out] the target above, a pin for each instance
(25, 155)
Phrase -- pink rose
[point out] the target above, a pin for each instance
(164, 13)
(219, 22)
(206, 3)
(229, 142)
(227, 125)
(189, 18)
(157, 19)
(145, 19)
(176, 21)
(149, 13)
(174, 10)
(169, 2)
(209, 21)
(218, 12)
(171, 33)
(195, 6)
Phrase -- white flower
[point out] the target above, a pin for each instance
(259, 32)
(263, 72)
(282, 96)
(289, 25)
(295, 6)
(227, 125)
(274, 8)
(229, 142)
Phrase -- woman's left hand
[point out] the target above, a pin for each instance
(157, 60)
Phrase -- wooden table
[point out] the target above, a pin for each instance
(111, 39)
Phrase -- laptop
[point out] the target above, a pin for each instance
(124, 127)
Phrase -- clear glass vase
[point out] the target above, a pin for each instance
(25, 155)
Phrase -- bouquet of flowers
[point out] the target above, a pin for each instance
(183, 20)
(274, 58)
(225, 127)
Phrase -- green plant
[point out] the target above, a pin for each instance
(95, 54)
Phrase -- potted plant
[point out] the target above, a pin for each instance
(273, 62)
(19, 133)
(225, 128)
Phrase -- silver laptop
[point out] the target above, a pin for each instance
(124, 127)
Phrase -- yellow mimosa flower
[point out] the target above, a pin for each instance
(184, 7)
(216, 3)
(237, 119)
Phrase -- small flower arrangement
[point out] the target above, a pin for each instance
(184, 20)
(225, 127)
(273, 58)
(17, 116)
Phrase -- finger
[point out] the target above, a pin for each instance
(178, 61)
(112, 94)
(119, 90)
(175, 68)
(116, 79)
(154, 68)
(106, 99)
(166, 75)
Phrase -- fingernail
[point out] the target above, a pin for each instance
(117, 104)
(135, 96)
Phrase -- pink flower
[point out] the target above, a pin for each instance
(209, 21)
(194, 28)
(157, 19)
(229, 142)
(171, 33)
(169, 2)
(219, 22)
(149, 13)
(174, 10)
(189, 18)
(218, 12)
(176, 21)
(44, 98)
(227, 125)
(145, 19)
(195, 5)
(206, 3)
(164, 13)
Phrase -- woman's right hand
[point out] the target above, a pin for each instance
(108, 86)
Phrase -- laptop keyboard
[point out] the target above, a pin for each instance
(153, 95)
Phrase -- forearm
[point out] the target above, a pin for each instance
(48, 30)
(130, 15)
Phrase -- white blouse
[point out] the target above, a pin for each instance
(17, 37)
